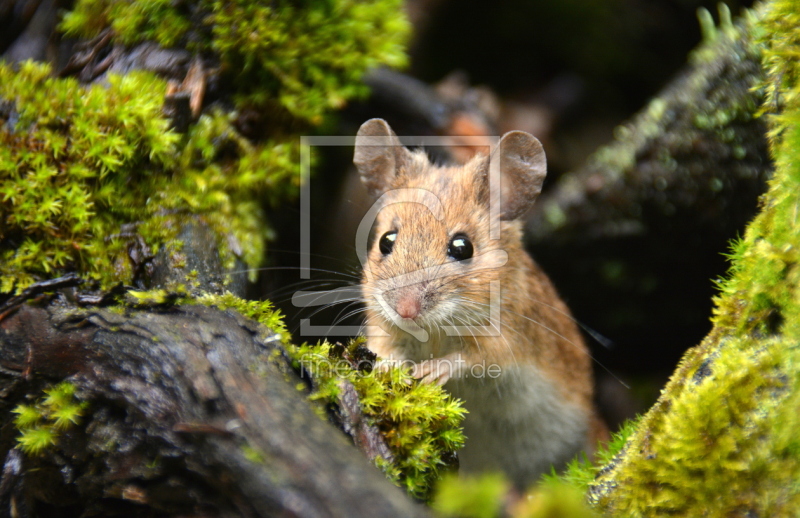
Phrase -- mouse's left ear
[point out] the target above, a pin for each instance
(523, 167)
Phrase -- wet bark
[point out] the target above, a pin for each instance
(190, 410)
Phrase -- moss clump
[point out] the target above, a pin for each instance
(581, 472)
(228, 180)
(277, 55)
(87, 171)
(75, 165)
(723, 439)
(420, 422)
(39, 424)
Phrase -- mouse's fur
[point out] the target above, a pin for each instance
(523, 372)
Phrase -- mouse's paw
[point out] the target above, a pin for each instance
(438, 370)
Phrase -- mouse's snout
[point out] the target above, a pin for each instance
(408, 306)
(409, 302)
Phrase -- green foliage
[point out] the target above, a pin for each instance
(419, 421)
(723, 439)
(78, 163)
(39, 424)
(305, 59)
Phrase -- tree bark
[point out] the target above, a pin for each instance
(191, 410)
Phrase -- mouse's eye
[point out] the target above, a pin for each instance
(387, 242)
(460, 247)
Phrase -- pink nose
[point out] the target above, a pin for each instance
(408, 307)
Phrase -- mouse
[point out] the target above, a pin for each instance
(451, 293)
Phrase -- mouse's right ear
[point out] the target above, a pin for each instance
(379, 156)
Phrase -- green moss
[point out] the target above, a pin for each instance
(40, 424)
(262, 311)
(88, 172)
(157, 297)
(252, 454)
(480, 497)
(581, 472)
(68, 155)
(84, 170)
(489, 496)
(277, 55)
(723, 438)
(420, 422)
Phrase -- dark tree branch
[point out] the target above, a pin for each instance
(189, 411)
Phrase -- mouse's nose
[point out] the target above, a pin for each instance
(408, 306)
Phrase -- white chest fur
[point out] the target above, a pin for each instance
(518, 423)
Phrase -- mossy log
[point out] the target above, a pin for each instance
(697, 152)
(189, 410)
(723, 440)
(677, 183)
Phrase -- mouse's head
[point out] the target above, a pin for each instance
(434, 255)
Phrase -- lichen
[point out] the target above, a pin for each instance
(723, 437)
(419, 421)
(41, 423)
(277, 55)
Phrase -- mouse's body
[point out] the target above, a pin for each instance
(469, 308)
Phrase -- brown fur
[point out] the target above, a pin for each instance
(536, 346)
